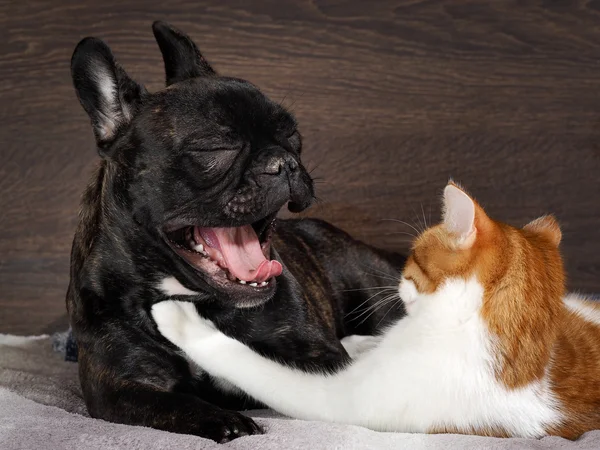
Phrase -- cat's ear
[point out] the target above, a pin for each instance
(104, 90)
(182, 58)
(548, 227)
(459, 215)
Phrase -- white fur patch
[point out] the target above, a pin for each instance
(408, 293)
(579, 304)
(356, 344)
(172, 318)
(170, 286)
(434, 368)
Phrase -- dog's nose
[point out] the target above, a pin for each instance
(277, 164)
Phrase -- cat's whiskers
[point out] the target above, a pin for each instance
(383, 289)
(368, 288)
(370, 309)
(404, 223)
(401, 232)
(424, 220)
(394, 305)
(382, 274)
(416, 215)
(390, 290)
(429, 212)
(377, 306)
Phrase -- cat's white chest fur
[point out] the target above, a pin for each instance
(433, 369)
(437, 369)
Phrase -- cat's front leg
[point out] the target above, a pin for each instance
(181, 324)
(314, 396)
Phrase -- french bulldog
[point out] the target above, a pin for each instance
(183, 206)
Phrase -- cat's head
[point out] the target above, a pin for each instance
(470, 246)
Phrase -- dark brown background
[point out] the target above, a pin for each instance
(392, 97)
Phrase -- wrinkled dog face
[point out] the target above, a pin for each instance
(203, 165)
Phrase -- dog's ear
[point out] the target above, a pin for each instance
(105, 91)
(182, 58)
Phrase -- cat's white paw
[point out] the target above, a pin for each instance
(357, 344)
(180, 321)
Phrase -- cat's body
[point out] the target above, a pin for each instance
(489, 345)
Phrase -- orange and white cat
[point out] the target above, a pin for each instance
(490, 345)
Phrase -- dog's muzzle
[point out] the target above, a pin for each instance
(281, 163)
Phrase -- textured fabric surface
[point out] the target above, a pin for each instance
(41, 407)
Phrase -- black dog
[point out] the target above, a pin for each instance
(183, 207)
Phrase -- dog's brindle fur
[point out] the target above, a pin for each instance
(178, 157)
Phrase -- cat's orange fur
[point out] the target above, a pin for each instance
(537, 335)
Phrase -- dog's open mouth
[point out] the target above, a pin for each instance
(235, 254)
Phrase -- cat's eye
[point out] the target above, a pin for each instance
(414, 281)
(417, 285)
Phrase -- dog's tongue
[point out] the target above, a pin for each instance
(241, 251)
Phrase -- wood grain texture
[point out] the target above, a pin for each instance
(393, 98)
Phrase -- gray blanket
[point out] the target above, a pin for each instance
(41, 408)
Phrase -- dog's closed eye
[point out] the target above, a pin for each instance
(295, 140)
(213, 159)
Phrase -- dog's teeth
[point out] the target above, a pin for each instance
(199, 248)
(253, 284)
(264, 283)
(241, 282)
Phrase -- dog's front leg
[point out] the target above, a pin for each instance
(147, 388)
